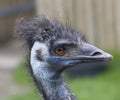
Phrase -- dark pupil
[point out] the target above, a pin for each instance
(59, 49)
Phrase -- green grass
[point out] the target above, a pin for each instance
(22, 77)
(105, 86)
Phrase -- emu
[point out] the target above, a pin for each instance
(53, 48)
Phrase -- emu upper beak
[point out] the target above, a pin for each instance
(92, 53)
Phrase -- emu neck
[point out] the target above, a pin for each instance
(52, 89)
(49, 82)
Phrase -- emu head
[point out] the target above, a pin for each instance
(53, 47)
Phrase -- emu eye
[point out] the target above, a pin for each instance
(60, 50)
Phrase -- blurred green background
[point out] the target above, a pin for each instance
(99, 20)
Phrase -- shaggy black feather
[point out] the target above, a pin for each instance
(42, 29)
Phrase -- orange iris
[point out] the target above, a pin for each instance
(59, 50)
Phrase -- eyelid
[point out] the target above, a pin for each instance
(64, 44)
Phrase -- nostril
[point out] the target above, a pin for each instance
(96, 53)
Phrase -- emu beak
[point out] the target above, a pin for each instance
(92, 53)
